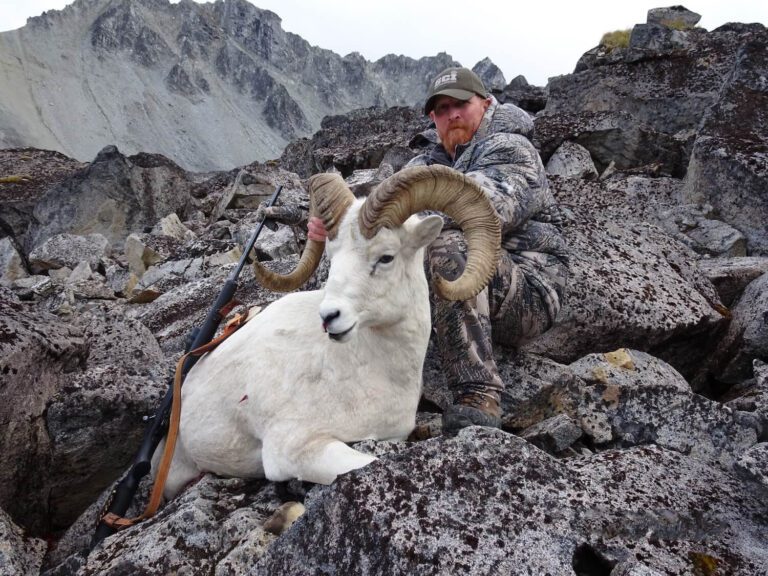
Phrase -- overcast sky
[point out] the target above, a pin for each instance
(535, 39)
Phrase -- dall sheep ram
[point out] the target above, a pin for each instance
(283, 396)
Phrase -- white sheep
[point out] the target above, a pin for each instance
(283, 396)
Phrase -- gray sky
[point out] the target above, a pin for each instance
(536, 39)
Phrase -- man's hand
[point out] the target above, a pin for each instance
(315, 230)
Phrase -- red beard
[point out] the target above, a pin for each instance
(457, 134)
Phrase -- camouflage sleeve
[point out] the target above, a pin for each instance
(510, 170)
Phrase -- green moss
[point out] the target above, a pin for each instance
(615, 39)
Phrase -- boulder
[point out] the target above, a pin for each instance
(214, 527)
(173, 227)
(95, 427)
(631, 285)
(490, 74)
(358, 140)
(38, 355)
(571, 160)
(616, 399)
(113, 196)
(673, 16)
(11, 263)
(729, 163)
(68, 250)
(488, 502)
(530, 98)
(747, 335)
(643, 104)
(731, 275)
(19, 555)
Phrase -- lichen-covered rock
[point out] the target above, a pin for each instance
(38, 354)
(571, 160)
(96, 421)
(214, 527)
(731, 275)
(114, 196)
(631, 285)
(487, 502)
(646, 401)
(729, 163)
(11, 264)
(68, 250)
(747, 336)
(19, 554)
(358, 140)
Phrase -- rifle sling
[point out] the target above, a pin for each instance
(117, 522)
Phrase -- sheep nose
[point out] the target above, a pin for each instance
(329, 317)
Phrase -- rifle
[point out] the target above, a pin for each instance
(126, 488)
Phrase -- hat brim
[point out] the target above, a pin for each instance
(457, 93)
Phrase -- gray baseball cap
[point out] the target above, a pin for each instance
(459, 83)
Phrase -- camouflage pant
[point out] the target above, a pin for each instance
(519, 303)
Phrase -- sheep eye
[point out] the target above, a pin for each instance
(386, 259)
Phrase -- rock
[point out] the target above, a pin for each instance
(488, 502)
(215, 526)
(729, 164)
(11, 263)
(144, 250)
(358, 140)
(677, 17)
(571, 160)
(38, 353)
(172, 226)
(610, 136)
(632, 286)
(754, 398)
(490, 74)
(554, 434)
(68, 250)
(754, 463)
(617, 406)
(731, 275)
(658, 38)
(19, 555)
(641, 106)
(114, 196)
(694, 226)
(532, 99)
(95, 423)
(36, 171)
(30, 287)
(747, 336)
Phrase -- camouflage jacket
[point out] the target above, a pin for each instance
(501, 158)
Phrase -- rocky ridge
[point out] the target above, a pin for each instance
(228, 85)
(635, 432)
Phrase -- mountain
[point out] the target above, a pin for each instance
(211, 86)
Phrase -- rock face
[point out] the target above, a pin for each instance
(634, 432)
(228, 84)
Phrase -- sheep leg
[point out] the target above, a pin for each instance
(319, 460)
(183, 469)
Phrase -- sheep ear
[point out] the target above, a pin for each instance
(425, 231)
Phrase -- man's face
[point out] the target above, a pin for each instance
(457, 120)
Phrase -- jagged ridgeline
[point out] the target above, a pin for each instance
(211, 86)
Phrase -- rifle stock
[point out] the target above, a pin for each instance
(156, 429)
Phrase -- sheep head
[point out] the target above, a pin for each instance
(394, 201)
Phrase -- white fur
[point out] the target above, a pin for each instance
(280, 399)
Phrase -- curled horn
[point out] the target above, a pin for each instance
(329, 199)
(445, 190)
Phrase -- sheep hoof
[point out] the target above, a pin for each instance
(284, 517)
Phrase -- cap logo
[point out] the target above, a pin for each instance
(446, 79)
